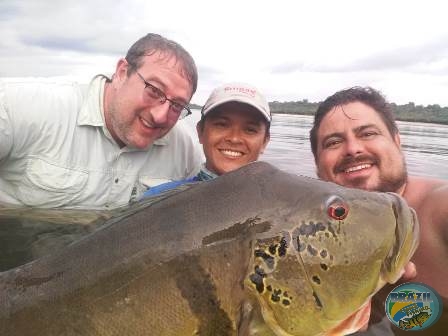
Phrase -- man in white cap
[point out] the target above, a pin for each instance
(233, 131)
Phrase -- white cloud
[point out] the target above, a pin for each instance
(290, 49)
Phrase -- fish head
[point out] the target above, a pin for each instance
(328, 257)
(422, 317)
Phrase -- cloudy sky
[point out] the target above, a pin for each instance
(291, 50)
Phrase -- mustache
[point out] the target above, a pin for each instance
(350, 161)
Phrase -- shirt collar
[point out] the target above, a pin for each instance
(206, 174)
(92, 111)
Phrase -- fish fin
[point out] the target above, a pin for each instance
(406, 240)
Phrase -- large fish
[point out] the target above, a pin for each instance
(254, 252)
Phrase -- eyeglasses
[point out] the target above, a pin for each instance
(157, 95)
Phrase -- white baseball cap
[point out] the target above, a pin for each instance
(238, 92)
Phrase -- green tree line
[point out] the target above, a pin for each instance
(407, 112)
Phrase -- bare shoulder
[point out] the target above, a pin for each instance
(429, 197)
(436, 203)
(420, 190)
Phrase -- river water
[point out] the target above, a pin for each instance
(425, 145)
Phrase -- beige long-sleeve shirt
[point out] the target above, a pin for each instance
(55, 149)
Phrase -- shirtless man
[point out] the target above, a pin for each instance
(356, 143)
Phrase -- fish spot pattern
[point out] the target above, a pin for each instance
(279, 296)
(307, 232)
(316, 279)
(318, 302)
(266, 256)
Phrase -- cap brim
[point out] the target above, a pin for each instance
(238, 100)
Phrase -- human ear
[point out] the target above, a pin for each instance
(266, 141)
(121, 70)
(200, 131)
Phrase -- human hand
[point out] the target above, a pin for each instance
(409, 272)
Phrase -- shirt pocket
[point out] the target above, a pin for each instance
(47, 184)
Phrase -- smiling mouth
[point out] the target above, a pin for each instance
(146, 123)
(357, 168)
(231, 153)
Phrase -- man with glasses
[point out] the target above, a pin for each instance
(62, 145)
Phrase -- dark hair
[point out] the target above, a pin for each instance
(152, 43)
(366, 95)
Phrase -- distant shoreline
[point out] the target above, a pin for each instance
(408, 119)
(409, 112)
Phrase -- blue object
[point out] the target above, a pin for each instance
(166, 186)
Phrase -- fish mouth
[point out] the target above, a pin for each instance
(407, 233)
(416, 230)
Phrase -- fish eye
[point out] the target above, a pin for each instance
(337, 208)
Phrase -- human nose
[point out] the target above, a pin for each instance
(353, 146)
(160, 112)
(234, 135)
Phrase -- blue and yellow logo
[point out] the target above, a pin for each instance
(413, 306)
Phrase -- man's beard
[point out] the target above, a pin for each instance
(386, 182)
(393, 183)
